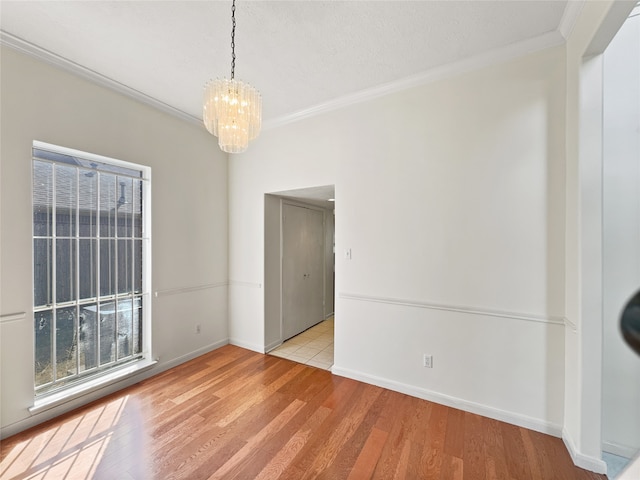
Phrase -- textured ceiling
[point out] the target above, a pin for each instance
(299, 54)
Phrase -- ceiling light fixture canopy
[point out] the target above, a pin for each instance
(232, 109)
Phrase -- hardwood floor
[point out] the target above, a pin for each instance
(236, 414)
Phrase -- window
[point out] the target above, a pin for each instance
(89, 265)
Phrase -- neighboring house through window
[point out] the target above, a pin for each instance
(90, 241)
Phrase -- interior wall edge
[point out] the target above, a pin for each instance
(248, 345)
(581, 460)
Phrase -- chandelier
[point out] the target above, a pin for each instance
(232, 109)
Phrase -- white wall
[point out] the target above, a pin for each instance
(621, 228)
(452, 195)
(189, 215)
(595, 25)
(279, 160)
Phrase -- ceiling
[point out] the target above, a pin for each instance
(299, 54)
(318, 196)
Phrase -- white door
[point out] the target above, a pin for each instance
(302, 269)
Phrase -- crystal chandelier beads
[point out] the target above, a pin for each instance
(232, 112)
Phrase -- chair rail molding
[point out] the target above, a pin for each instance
(13, 317)
(548, 319)
(195, 288)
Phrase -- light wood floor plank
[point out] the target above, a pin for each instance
(369, 455)
(237, 414)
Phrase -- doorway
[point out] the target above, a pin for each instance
(621, 242)
(299, 275)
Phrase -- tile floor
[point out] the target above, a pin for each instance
(312, 347)
(615, 464)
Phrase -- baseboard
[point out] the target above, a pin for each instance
(454, 402)
(328, 315)
(581, 460)
(625, 451)
(190, 356)
(249, 346)
(272, 345)
(72, 404)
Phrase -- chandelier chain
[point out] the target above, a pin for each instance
(233, 39)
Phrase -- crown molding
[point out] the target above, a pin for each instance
(494, 57)
(570, 16)
(51, 58)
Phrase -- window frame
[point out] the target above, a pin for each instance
(80, 381)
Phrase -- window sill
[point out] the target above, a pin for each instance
(58, 398)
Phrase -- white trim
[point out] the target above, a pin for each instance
(272, 346)
(592, 464)
(551, 319)
(145, 170)
(236, 283)
(625, 451)
(74, 68)
(13, 317)
(513, 418)
(493, 57)
(569, 324)
(499, 55)
(571, 13)
(191, 355)
(196, 288)
(249, 346)
(48, 402)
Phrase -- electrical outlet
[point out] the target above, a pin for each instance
(427, 361)
(197, 328)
